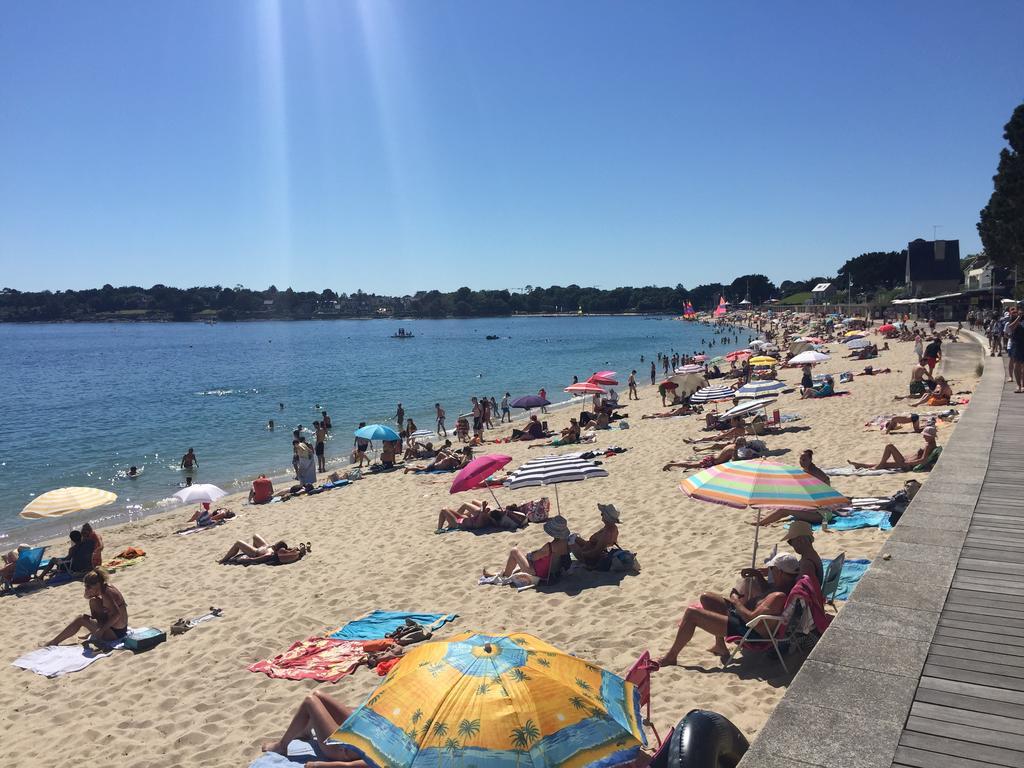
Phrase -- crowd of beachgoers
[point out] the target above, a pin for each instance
(603, 551)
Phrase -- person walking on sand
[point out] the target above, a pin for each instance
(654, 373)
(485, 412)
(439, 411)
(544, 396)
(632, 386)
(506, 409)
(400, 416)
(190, 461)
(321, 437)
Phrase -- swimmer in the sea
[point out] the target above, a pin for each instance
(190, 461)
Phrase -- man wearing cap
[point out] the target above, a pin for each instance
(593, 552)
(730, 618)
(893, 459)
(801, 538)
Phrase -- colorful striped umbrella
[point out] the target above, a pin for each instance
(64, 501)
(586, 388)
(501, 701)
(712, 394)
(760, 388)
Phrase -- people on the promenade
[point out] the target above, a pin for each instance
(893, 459)
(1015, 334)
(107, 620)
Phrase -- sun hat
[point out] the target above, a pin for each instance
(609, 513)
(929, 432)
(557, 528)
(797, 529)
(786, 563)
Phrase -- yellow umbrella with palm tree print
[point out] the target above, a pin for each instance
(495, 701)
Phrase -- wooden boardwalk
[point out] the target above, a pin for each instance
(968, 710)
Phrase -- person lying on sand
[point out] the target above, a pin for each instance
(737, 428)
(893, 424)
(938, 396)
(738, 450)
(107, 620)
(893, 459)
(472, 515)
(446, 459)
(870, 371)
(417, 451)
(591, 552)
(682, 410)
(570, 435)
(203, 517)
(543, 561)
(725, 616)
(260, 551)
(319, 716)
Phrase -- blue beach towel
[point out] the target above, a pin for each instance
(850, 575)
(376, 625)
(861, 518)
(299, 753)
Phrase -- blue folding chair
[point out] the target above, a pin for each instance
(25, 567)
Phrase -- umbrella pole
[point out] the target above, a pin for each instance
(757, 533)
(495, 498)
(558, 507)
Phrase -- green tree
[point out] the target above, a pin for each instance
(1001, 225)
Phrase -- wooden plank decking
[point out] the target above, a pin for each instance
(968, 710)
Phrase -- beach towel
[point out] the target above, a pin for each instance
(58, 660)
(319, 658)
(854, 472)
(850, 575)
(299, 753)
(379, 623)
(850, 519)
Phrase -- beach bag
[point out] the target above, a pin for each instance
(143, 639)
(619, 560)
(539, 510)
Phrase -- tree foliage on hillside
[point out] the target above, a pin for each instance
(1002, 221)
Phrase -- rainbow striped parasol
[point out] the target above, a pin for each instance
(761, 484)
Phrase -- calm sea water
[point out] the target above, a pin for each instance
(83, 402)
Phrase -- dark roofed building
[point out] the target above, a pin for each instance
(933, 266)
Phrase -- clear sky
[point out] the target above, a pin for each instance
(401, 146)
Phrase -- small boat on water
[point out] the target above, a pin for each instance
(402, 334)
(491, 338)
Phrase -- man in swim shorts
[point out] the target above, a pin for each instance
(321, 436)
(190, 461)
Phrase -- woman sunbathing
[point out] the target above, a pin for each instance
(470, 516)
(107, 620)
(319, 716)
(446, 460)
(737, 428)
(260, 551)
(541, 563)
(682, 410)
(203, 517)
(893, 459)
(738, 450)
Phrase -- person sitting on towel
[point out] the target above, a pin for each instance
(728, 616)
(534, 430)
(570, 435)
(938, 396)
(203, 517)
(893, 459)
(319, 716)
(107, 619)
(543, 562)
(593, 552)
(262, 490)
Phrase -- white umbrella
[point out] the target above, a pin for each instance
(809, 357)
(712, 394)
(552, 470)
(688, 383)
(760, 388)
(858, 343)
(200, 493)
(691, 368)
(748, 407)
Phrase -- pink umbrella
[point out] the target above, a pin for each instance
(585, 388)
(477, 471)
(604, 377)
(699, 358)
(739, 354)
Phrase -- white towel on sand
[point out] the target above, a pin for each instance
(57, 660)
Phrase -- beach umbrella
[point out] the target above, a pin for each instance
(200, 493)
(887, 328)
(809, 356)
(699, 358)
(376, 432)
(586, 388)
(717, 360)
(422, 433)
(761, 484)
(530, 401)
(763, 360)
(760, 388)
(668, 384)
(64, 501)
(552, 470)
(748, 407)
(859, 343)
(691, 368)
(495, 700)
(739, 354)
(851, 334)
(712, 394)
(477, 471)
(604, 377)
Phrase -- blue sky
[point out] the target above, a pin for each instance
(401, 146)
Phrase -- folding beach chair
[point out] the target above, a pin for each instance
(25, 567)
(640, 676)
(830, 586)
(776, 632)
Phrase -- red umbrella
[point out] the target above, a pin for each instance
(739, 354)
(668, 384)
(478, 470)
(585, 388)
(604, 377)
(886, 328)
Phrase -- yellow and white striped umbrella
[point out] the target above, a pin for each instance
(64, 501)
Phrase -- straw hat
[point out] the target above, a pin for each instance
(557, 528)
(797, 529)
(609, 513)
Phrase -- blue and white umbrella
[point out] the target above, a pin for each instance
(552, 470)
(760, 388)
(712, 394)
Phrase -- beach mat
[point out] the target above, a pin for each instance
(323, 659)
(378, 624)
(299, 753)
(854, 472)
(58, 660)
(859, 518)
(851, 574)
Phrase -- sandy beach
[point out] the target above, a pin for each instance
(191, 701)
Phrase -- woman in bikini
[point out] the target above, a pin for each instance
(540, 562)
(107, 619)
(319, 715)
(473, 515)
(893, 459)
(260, 551)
